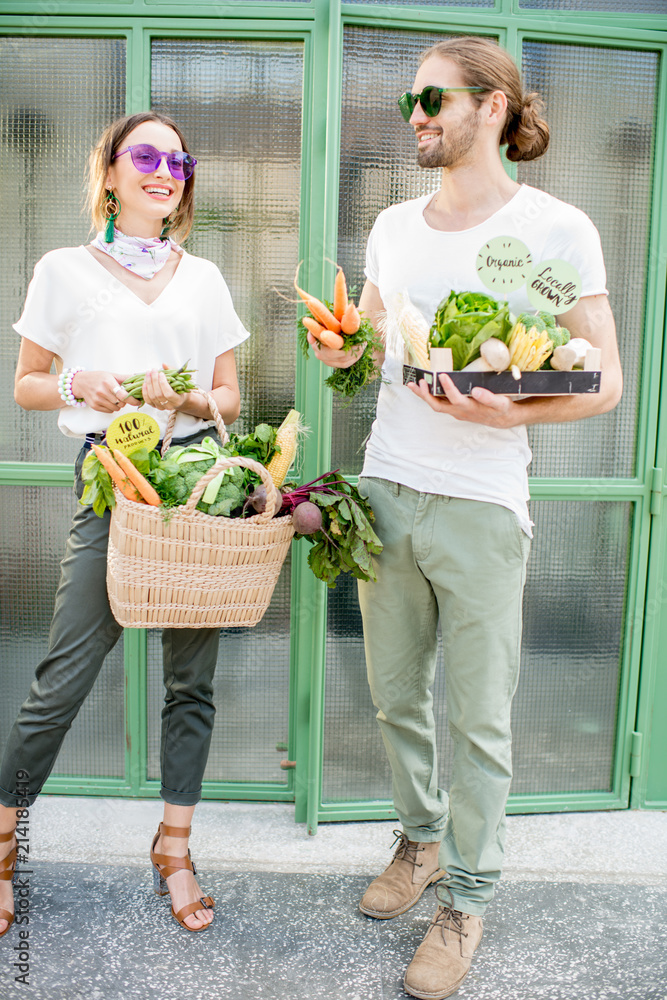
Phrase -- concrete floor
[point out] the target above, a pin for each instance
(580, 915)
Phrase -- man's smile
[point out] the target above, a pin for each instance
(426, 136)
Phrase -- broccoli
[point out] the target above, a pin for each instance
(559, 336)
(193, 471)
(545, 322)
(230, 495)
(549, 321)
(177, 480)
(179, 490)
(531, 321)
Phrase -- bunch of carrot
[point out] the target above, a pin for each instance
(329, 325)
(127, 477)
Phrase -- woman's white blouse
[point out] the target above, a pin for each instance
(84, 315)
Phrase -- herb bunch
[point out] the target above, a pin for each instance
(347, 382)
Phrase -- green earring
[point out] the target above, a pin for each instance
(111, 211)
(167, 225)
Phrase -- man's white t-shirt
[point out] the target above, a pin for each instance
(433, 452)
(84, 315)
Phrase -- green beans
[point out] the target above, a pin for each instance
(180, 380)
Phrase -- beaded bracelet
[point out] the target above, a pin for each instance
(65, 387)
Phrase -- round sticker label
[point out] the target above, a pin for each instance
(504, 263)
(554, 286)
(130, 431)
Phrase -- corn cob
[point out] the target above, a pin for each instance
(529, 349)
(286, 441)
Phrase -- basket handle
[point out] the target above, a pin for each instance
(274, 498)
(215, 413)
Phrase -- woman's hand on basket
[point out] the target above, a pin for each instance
(158, 393)
(102, 391)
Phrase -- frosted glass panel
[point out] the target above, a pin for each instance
(564, 714)
(251, 694)
(428, 3)
(34, 523)
(608, 6)
(247, 191)
(56, 96)
(247, 221)
(601, 106)
(378, 167)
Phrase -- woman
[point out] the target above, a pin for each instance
(132, 300)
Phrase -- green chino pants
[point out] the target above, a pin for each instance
(462, 562)
(83, 631)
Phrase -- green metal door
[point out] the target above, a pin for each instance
(591, 483)
(300, 148)
(238, 95)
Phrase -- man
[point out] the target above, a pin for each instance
(447, 480)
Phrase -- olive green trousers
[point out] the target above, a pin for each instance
(83, 631)
(463, 563)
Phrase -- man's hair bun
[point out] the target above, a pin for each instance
(526, 134)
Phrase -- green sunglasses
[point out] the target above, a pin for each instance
(430, 99)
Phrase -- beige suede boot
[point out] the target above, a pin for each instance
(442, 960)
(414, 867)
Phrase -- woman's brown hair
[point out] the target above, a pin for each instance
(180, 222)
(484, 64)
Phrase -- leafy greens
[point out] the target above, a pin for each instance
(464, 320)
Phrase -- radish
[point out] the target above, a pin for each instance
(496, 353)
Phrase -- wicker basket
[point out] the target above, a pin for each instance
(180, 568)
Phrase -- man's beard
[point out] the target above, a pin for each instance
(447, 151)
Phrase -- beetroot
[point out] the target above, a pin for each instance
(293, 498)
(307, 518)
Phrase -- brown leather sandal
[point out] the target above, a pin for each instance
(164, 866)
(7, 867)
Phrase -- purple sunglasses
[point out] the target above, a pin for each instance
(147, 159)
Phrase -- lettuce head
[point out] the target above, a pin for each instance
(464, 320)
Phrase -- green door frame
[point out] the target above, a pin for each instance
(319, 25)
(649, 761)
